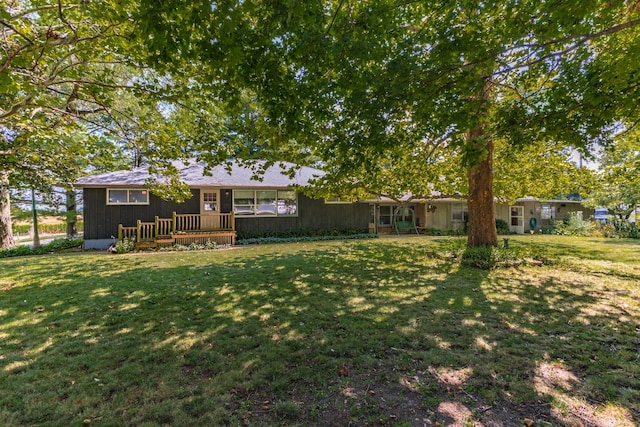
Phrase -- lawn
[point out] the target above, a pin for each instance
(375, 332)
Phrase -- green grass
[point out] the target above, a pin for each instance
(371, 332)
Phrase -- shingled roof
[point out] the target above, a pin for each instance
(231, 174)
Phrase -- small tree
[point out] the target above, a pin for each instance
(619, 177)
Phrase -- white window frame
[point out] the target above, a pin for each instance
(253, 210)
(128, 202)
(203, 201)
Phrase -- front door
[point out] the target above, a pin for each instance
(210, 208)
(516, 223)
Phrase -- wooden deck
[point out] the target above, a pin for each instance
(182, 229)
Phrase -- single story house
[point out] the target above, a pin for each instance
(231, 199)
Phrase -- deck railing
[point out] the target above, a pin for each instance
(178, 224)
(128, 233)
(197, 222)
(146, 231)
(164, 226)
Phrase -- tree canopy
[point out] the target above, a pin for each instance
(373, 86)
(75, 97)
(424, 98)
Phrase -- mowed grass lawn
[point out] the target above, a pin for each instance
(374, 332)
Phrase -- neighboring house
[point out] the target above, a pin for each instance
(540, 214)
(232, 200)
(524, 216)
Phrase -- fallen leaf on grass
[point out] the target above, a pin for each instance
(343, 371)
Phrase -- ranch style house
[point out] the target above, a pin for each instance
(231, 200)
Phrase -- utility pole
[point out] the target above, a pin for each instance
(36, 235)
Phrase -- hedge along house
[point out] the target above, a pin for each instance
(230, 200)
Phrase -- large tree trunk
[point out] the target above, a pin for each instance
(72, 214)
(6, 233)
(482, 212)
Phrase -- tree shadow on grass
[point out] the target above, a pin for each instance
(333, 334)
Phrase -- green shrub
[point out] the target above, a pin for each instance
(58, 245)
(55, 245)
(603, 230)
(21, 250)
(502, 226)
(489, 257)
(626, 229)
(572, 225)
(125, 246)
(438, 232)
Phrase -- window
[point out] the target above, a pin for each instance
(287, 203)
(459, 212)
(209, 201)
(265, 203)
(127, 197)
(548, 211)
(244, 202)
(385, 215)
(517, 216)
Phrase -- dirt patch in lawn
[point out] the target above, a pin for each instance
(431, 397)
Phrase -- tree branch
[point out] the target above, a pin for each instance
(333, 18)
(12, 56)
(582, 38)
(34, 10)
(63, 19)
(15, 108)
(6, 24)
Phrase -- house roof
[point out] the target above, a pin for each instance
(230, 174)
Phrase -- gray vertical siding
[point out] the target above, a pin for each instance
(101, 220)
(313, 214)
